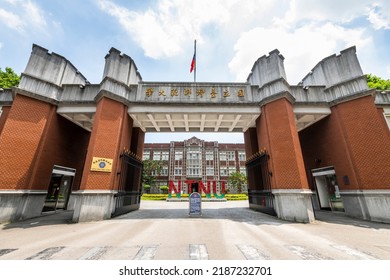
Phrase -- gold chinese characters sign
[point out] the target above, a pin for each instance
(199, 92)
(101, 164)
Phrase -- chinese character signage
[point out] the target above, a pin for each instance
(101, 164)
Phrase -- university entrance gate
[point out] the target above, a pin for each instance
(331, 120)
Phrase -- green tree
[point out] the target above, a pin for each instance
(150, 171)
(8, 78)
(237, 180)
(377, 82)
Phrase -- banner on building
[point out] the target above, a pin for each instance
(101, 164)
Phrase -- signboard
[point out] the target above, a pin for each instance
(195, 204)
(101, 164)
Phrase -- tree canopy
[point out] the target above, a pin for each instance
(377, 82)
(237, 180)
(150, 171)
(8, 78)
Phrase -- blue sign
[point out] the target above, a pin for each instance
(195, 204)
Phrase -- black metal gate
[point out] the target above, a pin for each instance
(129, 188)
(259, 179)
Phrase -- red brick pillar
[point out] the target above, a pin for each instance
(137, 142)
(251, 147)
(366, 140)
(277, 134)
(110, 134)
(251, 144)
(21, 145)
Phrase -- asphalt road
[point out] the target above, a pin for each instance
(225, 231)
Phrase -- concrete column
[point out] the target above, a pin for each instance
(95, 200)
(21, 145)
(4, 110)
(277, 134)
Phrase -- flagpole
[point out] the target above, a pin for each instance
(195, 61)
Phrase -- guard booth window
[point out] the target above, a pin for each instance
(59, 188)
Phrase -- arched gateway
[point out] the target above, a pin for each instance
(322, 143)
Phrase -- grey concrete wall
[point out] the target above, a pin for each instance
(92, 206)
(19, 205)
(368, 205)
(52, 68)
(335, 69)
(267, 69)
(294, 205)
(121, 68)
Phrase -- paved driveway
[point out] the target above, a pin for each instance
(226, 230)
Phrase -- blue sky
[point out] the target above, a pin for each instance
(231, 35)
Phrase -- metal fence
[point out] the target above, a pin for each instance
(129, 188)
(259, 179)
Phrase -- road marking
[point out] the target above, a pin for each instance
(198, 252)
(252, 253)
(146, 253)
(45, 254)
(304, 254)
(94, 253)
(353, 252)
(6, 251)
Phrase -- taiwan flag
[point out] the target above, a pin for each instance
(193, 62)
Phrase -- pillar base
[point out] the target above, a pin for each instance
(92, 205)
(372, 205)
(294, 205)
(16, 205)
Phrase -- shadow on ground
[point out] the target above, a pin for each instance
(237, 214)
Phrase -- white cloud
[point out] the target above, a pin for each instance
(23, 15)
(12, 20)
(305, 31)
(378, 19)
(35, 14)
(302, 48)
(171, 24)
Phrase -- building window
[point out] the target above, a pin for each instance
(241, 156)
(243, 170)
(222, 155)
(209, 155)
(178, 155)
(232, 169)
(178, 171)
(156, 155)
(194, 162)
(231, 155)
(224, 171)
(164, 155)
(146, 155)
(210, 171)
(164, 171)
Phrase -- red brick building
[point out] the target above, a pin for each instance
(196, 159)
(69, 144)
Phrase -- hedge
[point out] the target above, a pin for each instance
(165, 196)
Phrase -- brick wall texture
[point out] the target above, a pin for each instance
(277, 133)
(110, 124)
(353, 139)
(33, 139)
